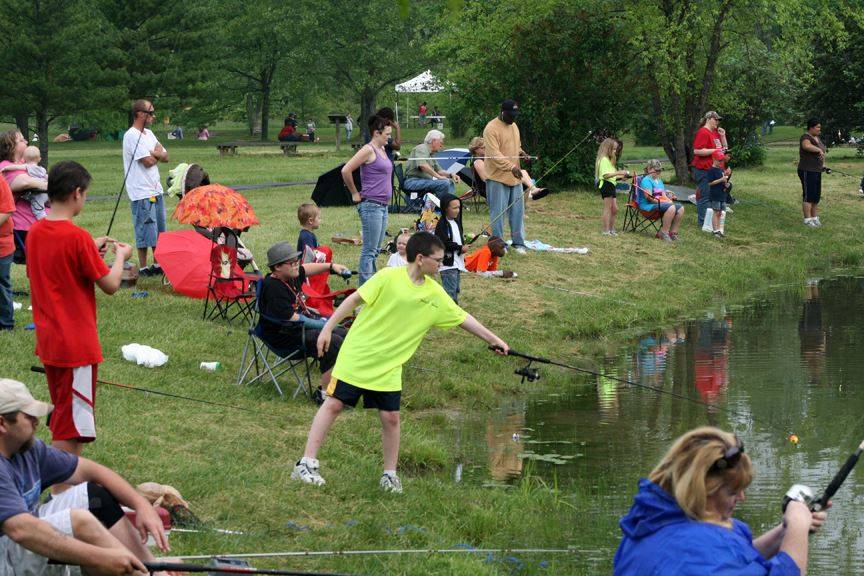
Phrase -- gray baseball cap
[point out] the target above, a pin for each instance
(281, 252)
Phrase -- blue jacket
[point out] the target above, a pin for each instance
(660, 539)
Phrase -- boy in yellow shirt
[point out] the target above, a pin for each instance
(400, 305)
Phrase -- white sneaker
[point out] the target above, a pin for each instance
(390, 483)
(518, 250)
(306, 470)
(816, 222)
(728, 210)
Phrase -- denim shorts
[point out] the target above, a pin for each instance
(148, 218)
(717, 206)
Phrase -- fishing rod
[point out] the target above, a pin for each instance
(41, 370)
(521, 197)
(525, 157)
(392, 551)
(221, 569)
(828, 170)
(532, 374)
(802, 493)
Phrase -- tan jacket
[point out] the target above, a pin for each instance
(502, 139)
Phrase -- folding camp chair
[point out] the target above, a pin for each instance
(473, 197)
(229, 289)
(267, 361)
(413, 202)
(636, 219)
(317, 288)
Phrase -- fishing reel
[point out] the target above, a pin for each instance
(800, 493)
(528, 373)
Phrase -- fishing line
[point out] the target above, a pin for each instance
(521, 198)
(391, 551)
(41, 370)
(222, 569)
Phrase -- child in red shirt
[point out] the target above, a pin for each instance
(63, 264)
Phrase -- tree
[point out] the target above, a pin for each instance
(366, 47)
(557, 59)
(61, 61)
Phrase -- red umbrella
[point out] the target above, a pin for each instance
(185, 258)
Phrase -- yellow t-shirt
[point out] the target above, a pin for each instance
(395, 317)
(605, 167)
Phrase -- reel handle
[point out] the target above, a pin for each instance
(803, 494)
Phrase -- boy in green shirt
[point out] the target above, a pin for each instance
(400, 306)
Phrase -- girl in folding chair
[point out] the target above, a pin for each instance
(284, 317)
(653, 195)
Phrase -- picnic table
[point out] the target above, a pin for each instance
(230, 148)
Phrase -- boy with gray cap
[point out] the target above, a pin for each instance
(284, 318)
(83, 526)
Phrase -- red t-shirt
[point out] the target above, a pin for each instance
(481, 261)
(286, 131)
(705, 138)
(7, 206)
(63, 264)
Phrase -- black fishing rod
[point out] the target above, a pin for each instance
(488, 227)
(802, 493)
(222, 569)
(532, 374)
(828, 170)
(41, 370)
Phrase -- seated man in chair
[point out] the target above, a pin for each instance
(83, 526)
(422, 174)
(286, 323)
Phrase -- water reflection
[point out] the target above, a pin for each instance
(788, 363)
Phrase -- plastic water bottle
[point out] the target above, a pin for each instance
(211, 366)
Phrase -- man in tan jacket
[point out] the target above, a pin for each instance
(504, 181)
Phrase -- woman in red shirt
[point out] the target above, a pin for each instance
(709, 137)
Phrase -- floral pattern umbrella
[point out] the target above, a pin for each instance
(215, 205)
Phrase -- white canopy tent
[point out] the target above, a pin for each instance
(424, 83)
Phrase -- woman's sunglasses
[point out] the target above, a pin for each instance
(730, 457)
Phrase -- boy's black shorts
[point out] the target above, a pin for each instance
(350, 394)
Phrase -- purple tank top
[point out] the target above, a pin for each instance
(377, 179)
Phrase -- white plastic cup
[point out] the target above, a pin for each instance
(211, 366)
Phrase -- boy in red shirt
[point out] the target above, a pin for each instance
(486, 259)
(7, 251)
(63, 264)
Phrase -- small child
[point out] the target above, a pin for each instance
(309, 216)
(398, 258)
(37, 199)
(400, 305)
(63, 264)
(717, 179)
(449, 231)
(486, 259)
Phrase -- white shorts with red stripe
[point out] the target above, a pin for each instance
(73, 393)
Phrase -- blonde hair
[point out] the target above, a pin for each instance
(306, 212)
(653, 164)
(687, 470)
(606, 150)
(476, 143)
(32, 154)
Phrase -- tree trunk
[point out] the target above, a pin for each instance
(367, 110)
(42, 131)
(21, 122)
(265, 110)
(253, 114)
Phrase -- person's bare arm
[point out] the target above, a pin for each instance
(41, 538)
(722, 133)
(718, 181)
(25, 182)
(160, 153)
(343, 311)
(426, 169)
(110, 283)
(480, 169)
(13, 167)
(313, 268)
(148, 161)
(362, 156)
(473, 326)
(810, 147)
(146, 519)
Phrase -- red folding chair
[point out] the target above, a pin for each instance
(230, 291)
(317, 288)
(636, 219)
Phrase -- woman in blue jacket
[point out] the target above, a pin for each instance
(681, 520)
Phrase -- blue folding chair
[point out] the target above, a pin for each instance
(261, 361)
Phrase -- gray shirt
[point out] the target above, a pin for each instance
(413, 168)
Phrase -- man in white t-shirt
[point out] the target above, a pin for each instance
(141, 154)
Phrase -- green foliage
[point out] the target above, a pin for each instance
(747, 155)
(556, 58)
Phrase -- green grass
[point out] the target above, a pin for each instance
(234, 467)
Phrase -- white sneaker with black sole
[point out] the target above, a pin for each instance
(390, 483)
(306, 470)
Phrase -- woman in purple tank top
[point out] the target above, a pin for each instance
(376, 175)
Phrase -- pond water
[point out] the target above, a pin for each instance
(788, 363)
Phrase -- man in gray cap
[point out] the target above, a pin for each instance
(286, 323)
(83, 526)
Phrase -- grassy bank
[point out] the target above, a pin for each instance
(234, 466)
